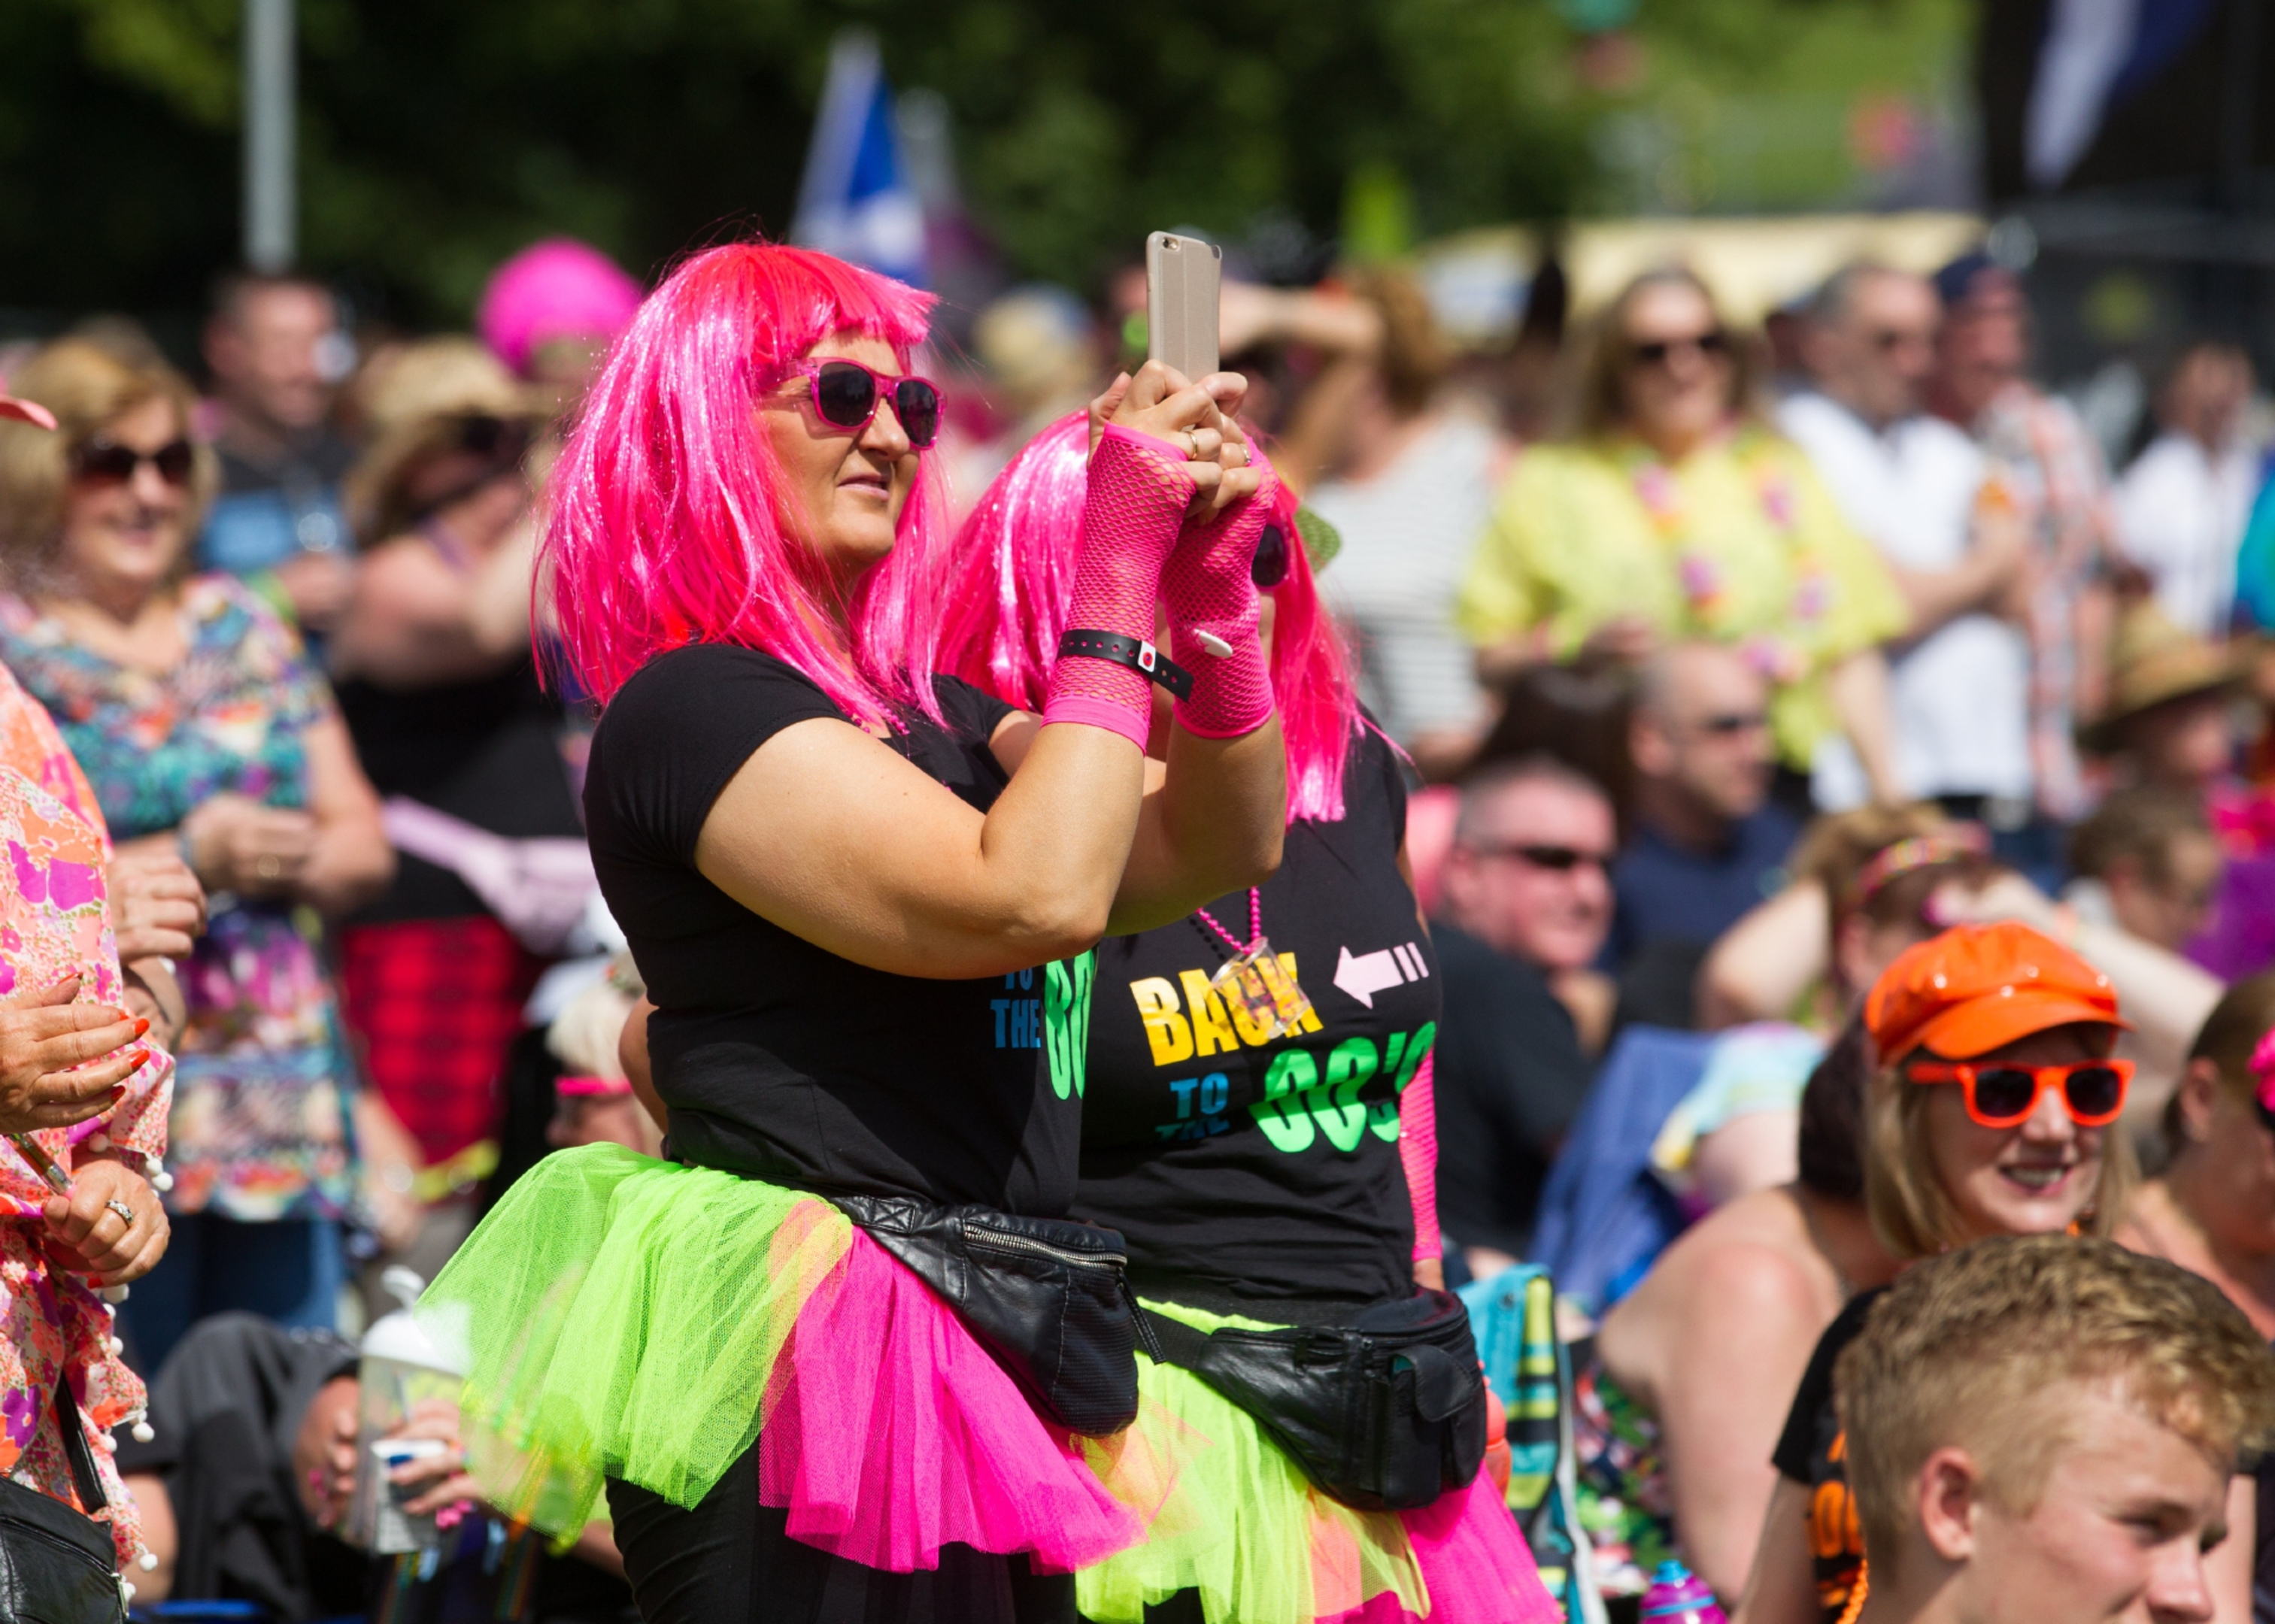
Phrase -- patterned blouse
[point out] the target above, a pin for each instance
(54, 923)
(259, 1127)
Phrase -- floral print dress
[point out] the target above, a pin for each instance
(55, 923)
(259, 1128)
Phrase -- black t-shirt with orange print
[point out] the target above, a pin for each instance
(1261, 1175)
(1813, 1451)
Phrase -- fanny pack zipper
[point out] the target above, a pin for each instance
(1002, 1240)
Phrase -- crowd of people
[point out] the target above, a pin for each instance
(956, 990)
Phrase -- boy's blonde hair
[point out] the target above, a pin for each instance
(1972, 1349)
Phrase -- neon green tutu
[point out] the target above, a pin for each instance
(1238, 1520)
(619, 1316)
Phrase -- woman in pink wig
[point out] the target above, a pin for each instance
(1248, 1149)
(830, 1360)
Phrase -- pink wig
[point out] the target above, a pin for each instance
(556, 289)
(669, 523)
(1013, 571)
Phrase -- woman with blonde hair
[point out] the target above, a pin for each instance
(1671, 510)
(1990, 1111)
(203, 728)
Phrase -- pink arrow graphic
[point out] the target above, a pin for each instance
(1363, 975)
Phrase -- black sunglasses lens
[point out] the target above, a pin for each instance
(106, 464)
(916, 403)
(2005, 1092)
(1653, 354)
(482, 437)
(1269, 567)
(2094, 1091)
(845, 394)
(1562, 860)
(1715, 343)
(174, 461)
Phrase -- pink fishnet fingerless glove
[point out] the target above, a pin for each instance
(1417, 1154)
(1207, 589)
(1138, 496)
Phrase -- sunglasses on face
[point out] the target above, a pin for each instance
(105, 462)
(1557, 859)
(1729, 724)
(1655, 352)
(1888, 340)
(1269, 566)
(2001, 1094)
(846, 395)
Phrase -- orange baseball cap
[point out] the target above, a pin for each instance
(1979, 988)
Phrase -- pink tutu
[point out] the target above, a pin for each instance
(889, 1432)
(1477, 1564)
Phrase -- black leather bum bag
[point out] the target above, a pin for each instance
(1385, 1414)
(57, 1566)
(1045, 1296)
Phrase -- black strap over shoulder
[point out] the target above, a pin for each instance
(1137, 654)
(84, 1477)
(1386, 1413)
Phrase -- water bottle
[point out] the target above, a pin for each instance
(1677, 1596)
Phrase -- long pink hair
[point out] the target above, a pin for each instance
(1006, 592)
(670, 521)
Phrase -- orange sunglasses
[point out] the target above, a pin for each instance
(2003, 1094)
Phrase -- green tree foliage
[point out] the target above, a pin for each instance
(439, 135)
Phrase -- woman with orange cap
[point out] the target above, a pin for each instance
(1991, 1113)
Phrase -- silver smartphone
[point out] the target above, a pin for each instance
(1182, 276)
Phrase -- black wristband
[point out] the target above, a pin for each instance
(1135, 653)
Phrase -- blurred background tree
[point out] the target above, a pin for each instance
(438, 135)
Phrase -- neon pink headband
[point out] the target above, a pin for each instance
(2263, 1067)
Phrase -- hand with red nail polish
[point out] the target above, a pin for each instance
(62, 1061)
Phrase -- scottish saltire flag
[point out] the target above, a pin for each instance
(855, 201)
(2095, 55)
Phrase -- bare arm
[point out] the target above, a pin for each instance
(1938, 597)
(349, 859)
(840, 841)
(415, 621)
(1727, 1352)
(1781, 1589)
(1764, 964)
(1858, 688)
(1349, 331)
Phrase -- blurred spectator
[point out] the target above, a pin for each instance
(438, 686)
(1919, 488)
(1674, 512)
(2146, 862)
(1408, 484)
(1040, 347)
(1530, 876)
(203, 728)
(550, 313)
(2167, 721)
(1527, 902)
(2045, 460)
(2182, 505)
(1708, 843)
(247, 1476)
(277, 353)
(2213, 1211)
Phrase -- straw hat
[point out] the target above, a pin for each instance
(421, 404)
(2154, 662)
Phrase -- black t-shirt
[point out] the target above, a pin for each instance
(1812, 1452)
(1510, 1078)
(487, 752)
(780, 1060)
(1244, 1172)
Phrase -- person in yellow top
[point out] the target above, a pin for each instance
(1674, 512)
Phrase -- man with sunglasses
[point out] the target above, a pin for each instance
(1527, 904)
(1708, 839)
(1918, 488)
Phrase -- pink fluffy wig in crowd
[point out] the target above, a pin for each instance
(669, 521)
(553, 290)
(1013, 572)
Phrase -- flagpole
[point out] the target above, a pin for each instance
(271, 223)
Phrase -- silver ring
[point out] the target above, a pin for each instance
(268, 868)
(125, 1213)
